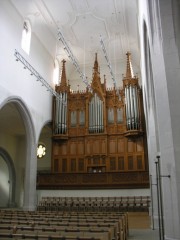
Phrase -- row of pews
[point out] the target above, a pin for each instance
(16, 224)
(94, 204)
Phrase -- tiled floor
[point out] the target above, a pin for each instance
(143, 234)
(140, 227)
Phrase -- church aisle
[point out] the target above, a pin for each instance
(140, 227)
(143, 234)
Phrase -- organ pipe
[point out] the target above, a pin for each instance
(95, 115)
(132, 107)
(132, 104)
(61, 114)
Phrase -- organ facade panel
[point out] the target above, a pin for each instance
(99, 131)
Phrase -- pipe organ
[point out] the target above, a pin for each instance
(61, 114)
(98, 137)
(96, 115)
(132, 104)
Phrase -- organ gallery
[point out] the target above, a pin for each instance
(99, 138)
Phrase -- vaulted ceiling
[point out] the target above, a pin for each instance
(83, 23)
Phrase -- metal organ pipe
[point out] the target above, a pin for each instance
(90, 123)
(100, 117)
(65, 113)
(135, 107)
(129, 110)
(57, 116)
(62, 121)
(95, 115)
(138, 110)
(98, 114)
(132, 107)
(61, 114)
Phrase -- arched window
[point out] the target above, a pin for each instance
(26, 36)
(56, 72)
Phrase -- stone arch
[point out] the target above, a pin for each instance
(30, 158)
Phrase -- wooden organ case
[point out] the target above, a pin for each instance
(99, 138)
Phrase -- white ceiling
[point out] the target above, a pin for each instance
(82, 22)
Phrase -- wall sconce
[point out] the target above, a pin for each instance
(41, 150)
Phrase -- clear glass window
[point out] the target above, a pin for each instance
(26, 37)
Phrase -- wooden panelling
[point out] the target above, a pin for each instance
(112, 146)
(56, 165)
(81, 165)
(55, 149)
(98, 138)
(64, 149)
(121, 145)
(80, 148)
(139, 162)
(103, 146)
(102, 180)
(130, 163)
(139, 145)
(96, 146)
(88, 147)
(72, 148)
(121, 165)
(130, 145)
(64, 165)
(73, 165)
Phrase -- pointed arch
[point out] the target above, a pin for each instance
(31, 148)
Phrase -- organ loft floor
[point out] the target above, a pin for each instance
(140, 227)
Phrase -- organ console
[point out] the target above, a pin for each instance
(99, 139)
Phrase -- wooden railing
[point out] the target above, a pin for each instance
(93, 180)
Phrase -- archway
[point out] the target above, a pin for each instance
(18, 138)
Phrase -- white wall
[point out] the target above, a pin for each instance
(17, 83)
(92, 193)
(14, 79)
(166, 75)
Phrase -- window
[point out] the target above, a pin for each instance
(41, 150)
(26, 36)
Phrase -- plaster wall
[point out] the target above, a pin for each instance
(92, 193)
(15, 80)
(17, 83)
(165, 67)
